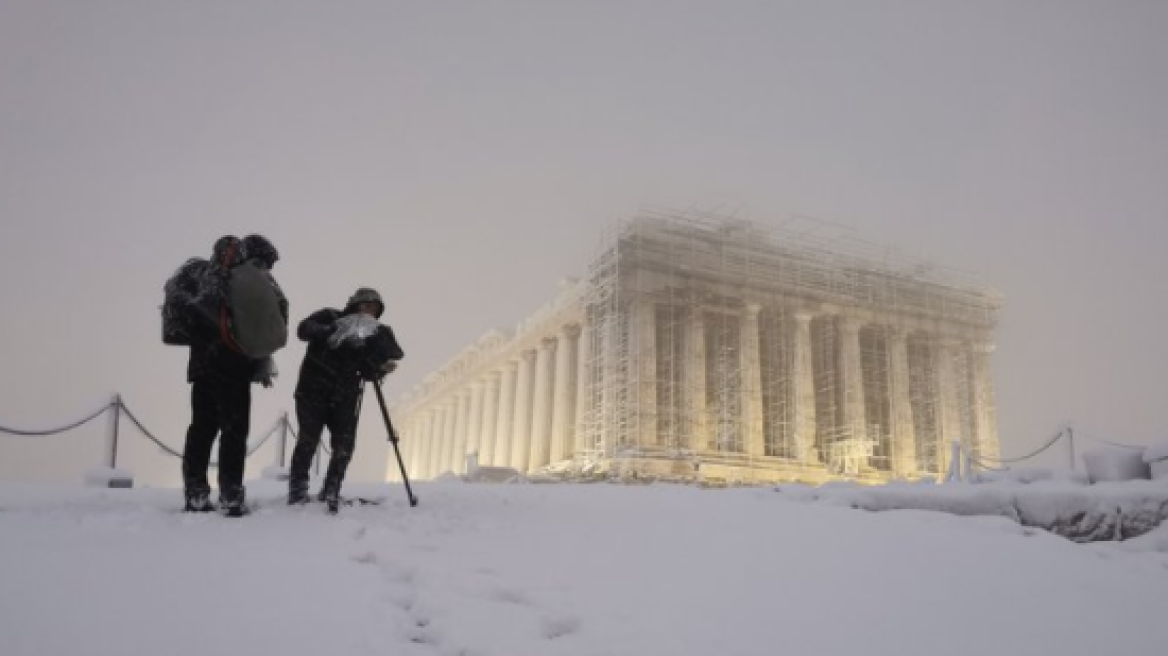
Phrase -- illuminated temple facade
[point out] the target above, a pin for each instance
(716, 349)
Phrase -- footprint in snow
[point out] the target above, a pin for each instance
(511, 596)
(558, 627)
(365, 558)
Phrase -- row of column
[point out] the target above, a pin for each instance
(524, 413)
(849, 374)
(520, 415)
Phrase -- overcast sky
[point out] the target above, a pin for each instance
(463, 157)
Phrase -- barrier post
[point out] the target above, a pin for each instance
(116, 407)
(283, 440)
(111, 477)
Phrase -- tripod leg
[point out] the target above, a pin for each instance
(393, 440)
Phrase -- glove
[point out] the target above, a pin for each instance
(266, 372)
(389, 366)
(351, 330)
(342, 328)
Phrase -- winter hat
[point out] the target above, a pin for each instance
(257, 247)
(225, 253)
(365, 295)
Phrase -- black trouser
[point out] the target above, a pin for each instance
(339, 415)
(218, 407)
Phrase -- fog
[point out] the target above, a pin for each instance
(463, 157)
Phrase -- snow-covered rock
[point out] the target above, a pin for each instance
(1156, 451)
(1107, 511)
(1112, 464)
(492, 475)
(1026, 475)
(1156, 456)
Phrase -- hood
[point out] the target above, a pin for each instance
(226, 252)
(257, 247)
(365, 295)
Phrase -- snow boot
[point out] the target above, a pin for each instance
(198, 502)
(298, 495)
(233, 505)
(330, 494)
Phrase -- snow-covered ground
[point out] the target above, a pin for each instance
(543, 570)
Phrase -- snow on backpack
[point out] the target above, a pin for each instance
(179, 289)
(253, 319)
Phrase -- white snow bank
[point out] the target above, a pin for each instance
(557, 570)
(1112, 464)
(487, 474)
(1026, 475)
(1156, 451)
(1106, 511)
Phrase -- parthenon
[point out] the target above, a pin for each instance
(706, 346)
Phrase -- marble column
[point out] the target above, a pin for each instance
(411, 447)
(504, 429)
(984, 415)
(564, 394)
(695, 374)
(446, 446)
(904, 443)
(753, 437)
(852, 376)
(804, 391)
(475, 426)
(521, 420)
(583, 439)
(423, 469)
(490, 419)
(644, 330)
(457, 462)
(948, 401)
(432, 430)
(541, 420)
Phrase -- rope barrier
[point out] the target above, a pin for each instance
(1051, 442)
(25, 433)
(267, 436)
(321, 444)
(178, 454)
(141, 428)
(160, 443)
(982, 464)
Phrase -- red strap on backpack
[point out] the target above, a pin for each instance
(224, 315)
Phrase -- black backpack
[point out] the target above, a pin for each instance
(180, 290)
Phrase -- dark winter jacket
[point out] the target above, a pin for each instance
(329, 375)
(199, 288)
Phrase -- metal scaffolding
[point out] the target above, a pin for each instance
(747, 352)
(674, 360)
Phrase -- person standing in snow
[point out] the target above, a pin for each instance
(346, 348)
(220, 377)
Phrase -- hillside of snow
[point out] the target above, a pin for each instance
(546, 570)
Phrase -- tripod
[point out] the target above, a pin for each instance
(393, 440)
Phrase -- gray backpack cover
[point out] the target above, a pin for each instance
(259, 325)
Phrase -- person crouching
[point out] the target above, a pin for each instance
(345, 349)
